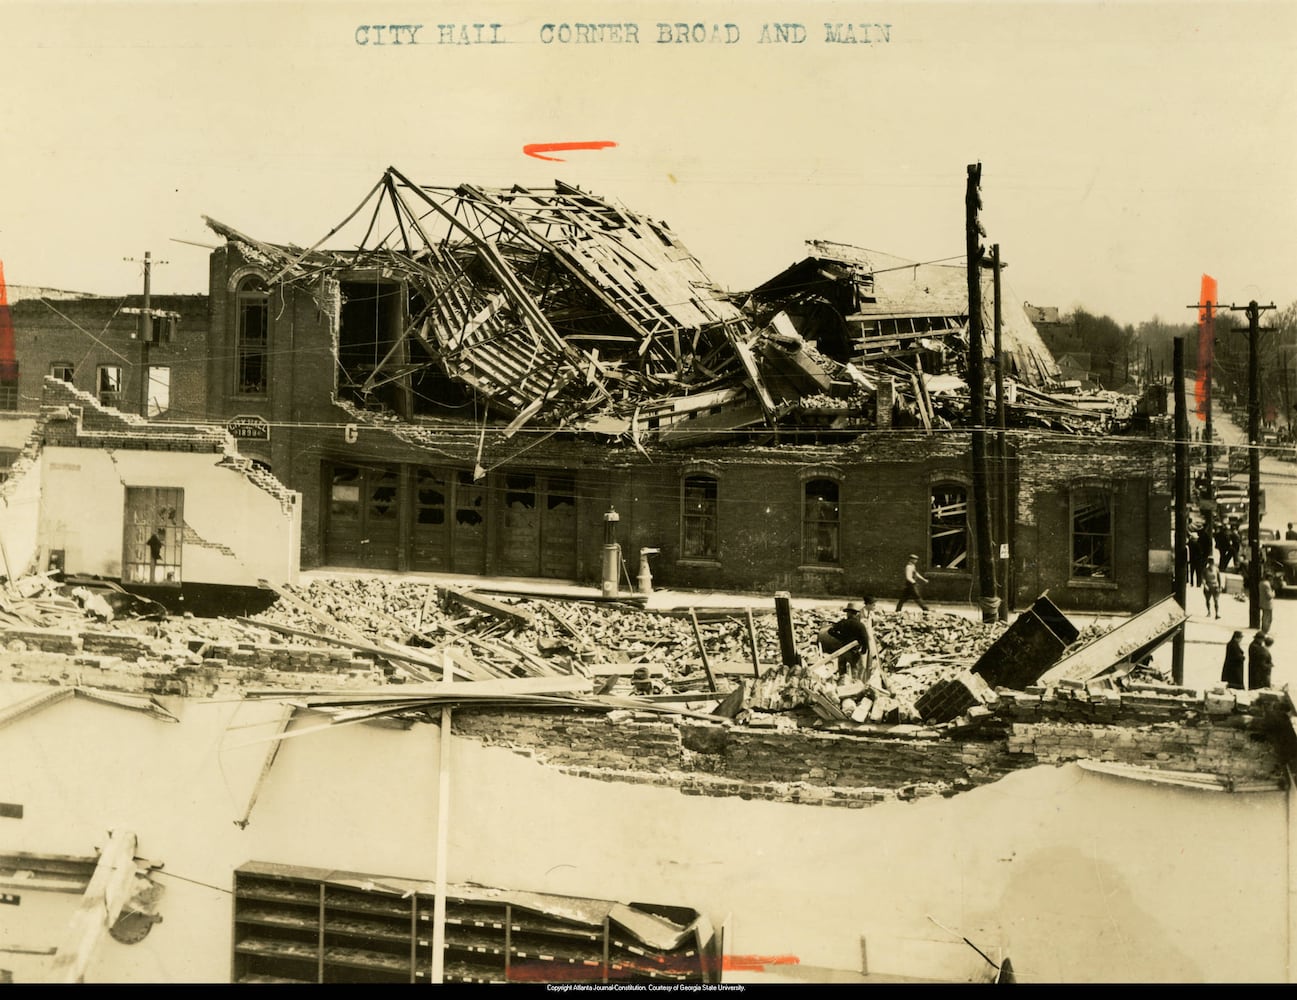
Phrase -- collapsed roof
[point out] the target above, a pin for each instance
(567, 310)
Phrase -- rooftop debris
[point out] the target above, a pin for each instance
(567, 311)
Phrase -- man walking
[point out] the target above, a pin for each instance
(1267, 604)
(1211, 587)
(912, 580)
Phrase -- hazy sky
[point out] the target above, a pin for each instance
(1126, 147)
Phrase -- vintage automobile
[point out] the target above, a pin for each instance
(1279, 559)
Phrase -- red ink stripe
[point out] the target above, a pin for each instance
(538, 149)
(1206, 344)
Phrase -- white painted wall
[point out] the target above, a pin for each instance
(1078, 877)
(19, 518)
(83, 501)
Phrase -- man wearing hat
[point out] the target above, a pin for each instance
(912, 580)
(848, 629)
(1259, 662)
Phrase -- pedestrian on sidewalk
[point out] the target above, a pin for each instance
(1259, 662)
(1291, 533)
(1211, 587)
(1195, 559)
(912, 580)
(1267, 604)
(1231, 672)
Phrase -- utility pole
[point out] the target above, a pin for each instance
(1002, 451)
(987, 597)
(1181, 507)
(148, 332)
(1253, 312)
(1207, 364)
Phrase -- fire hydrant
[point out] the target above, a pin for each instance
(645, 577)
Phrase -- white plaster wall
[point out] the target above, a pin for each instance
(19, 519)
(1080, 878)
(83, 500)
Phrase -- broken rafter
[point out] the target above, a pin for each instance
(328, 236)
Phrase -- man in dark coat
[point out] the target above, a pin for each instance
(1231, 673)
(848, 629)
(1259, 662)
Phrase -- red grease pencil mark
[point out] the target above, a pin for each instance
(539, 149)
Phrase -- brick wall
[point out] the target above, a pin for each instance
(695, 757)
(93, 331)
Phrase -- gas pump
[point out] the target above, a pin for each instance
(611, 553)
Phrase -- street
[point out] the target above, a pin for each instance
(1205, 637)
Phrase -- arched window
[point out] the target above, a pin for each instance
(821, 522)
(252, 337)
(698, 517)
(948, 527)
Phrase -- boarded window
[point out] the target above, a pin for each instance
(699, 518)
(948, 530)
(154, 535)
(62, 370)
(821, 522)
(1092, 533)
(252, 338)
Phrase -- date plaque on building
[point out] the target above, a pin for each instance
(249, 427)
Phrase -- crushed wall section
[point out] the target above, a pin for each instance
(697, 758)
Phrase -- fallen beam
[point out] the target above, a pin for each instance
(100, 906)
(496, 609)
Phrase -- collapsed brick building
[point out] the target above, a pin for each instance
(491, 371)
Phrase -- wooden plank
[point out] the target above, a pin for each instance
(281, 726)
(34, 703)
(102, 903)
(361, 646)
(752, 644)
(702, 650)
(516, 617)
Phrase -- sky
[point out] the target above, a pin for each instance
(1127, 147)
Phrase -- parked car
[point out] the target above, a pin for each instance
(1279, 560)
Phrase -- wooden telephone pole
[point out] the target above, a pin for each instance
(988, 598)
(1253, 328)
(154, 325)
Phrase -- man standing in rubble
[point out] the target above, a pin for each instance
(912, 580)
(848, 629)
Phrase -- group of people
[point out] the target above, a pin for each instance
(1228, 542)
(856, 626)
(1257, 659)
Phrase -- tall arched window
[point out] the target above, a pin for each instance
(698, 517)
(821, 522)
(252, 338)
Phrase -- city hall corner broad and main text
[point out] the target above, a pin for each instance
(623, 33)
